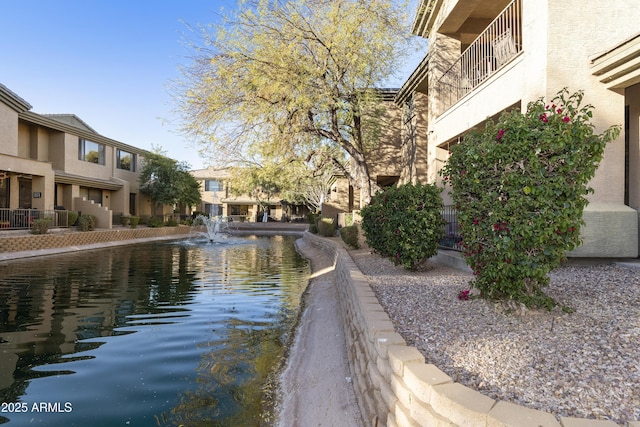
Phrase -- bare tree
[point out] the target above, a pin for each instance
(280, 77)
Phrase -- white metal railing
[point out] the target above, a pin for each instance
(500, 42)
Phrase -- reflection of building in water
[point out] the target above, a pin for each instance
(49, 305)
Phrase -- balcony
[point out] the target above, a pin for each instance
(495, 47)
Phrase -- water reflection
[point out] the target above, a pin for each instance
(162, 334)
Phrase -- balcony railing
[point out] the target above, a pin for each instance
(497, 45)
(17, 219)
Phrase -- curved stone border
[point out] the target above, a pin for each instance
(394, 385)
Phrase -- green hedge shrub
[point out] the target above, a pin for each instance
(312, 218)
(349, 235)
(326, 227)
(73, 218)
(40, 226)
(87, 222)
(135, 220)
(404, 223)
(155, 221)
(519, 186)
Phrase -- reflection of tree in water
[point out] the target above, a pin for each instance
(231, 379)
(67, 303)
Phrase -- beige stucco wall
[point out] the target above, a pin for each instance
(415, 144)
(444, 51)
(39, 143)
(594, 29)
(387, 155)
(633, 99)
(24, 146)
(8, 130)
(57, 150)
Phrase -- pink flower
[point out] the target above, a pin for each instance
(544, 118)
(566, 119)
(559, 111)
(500, 134)
(464, 295)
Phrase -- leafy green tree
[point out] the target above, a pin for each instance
(280, 76)
(262, 183)
(519, 186)
(168, 182)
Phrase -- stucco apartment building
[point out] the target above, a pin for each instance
(218, 200)
(388, 161)
(487, 56)
(58, 161)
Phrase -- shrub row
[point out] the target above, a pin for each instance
(405, 223)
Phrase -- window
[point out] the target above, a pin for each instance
(213, 209)
(90, 151)
(213, 185)
(125, 160)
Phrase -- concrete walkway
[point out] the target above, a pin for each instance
(315, 387)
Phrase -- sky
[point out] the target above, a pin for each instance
(111, 63)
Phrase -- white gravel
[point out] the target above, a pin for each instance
(585, 364)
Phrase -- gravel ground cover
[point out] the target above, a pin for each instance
(583, 364)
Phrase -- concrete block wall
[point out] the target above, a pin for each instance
(394, 385)
(34, 242)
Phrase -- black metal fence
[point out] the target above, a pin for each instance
(20, 219)
(451, 238)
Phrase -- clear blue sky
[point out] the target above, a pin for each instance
(109, 62)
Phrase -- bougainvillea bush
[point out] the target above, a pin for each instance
(404, 223)
(519, 186)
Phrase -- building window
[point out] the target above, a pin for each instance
(90, 151)
(213, 185)
(125, 160)
(213, 209)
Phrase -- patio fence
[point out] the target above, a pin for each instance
(21, 219)
(451, 238)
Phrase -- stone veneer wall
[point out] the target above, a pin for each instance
(394, 385)
(33, 242)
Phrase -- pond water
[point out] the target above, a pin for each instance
(177, 333)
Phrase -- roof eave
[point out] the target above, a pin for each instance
(12, 99)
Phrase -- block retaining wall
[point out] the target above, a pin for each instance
(34, 242)
(393, 384)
